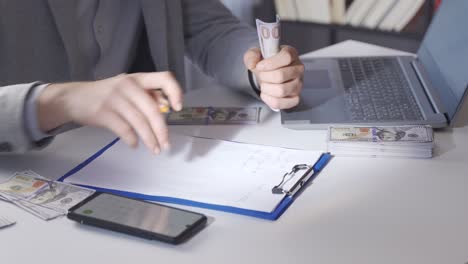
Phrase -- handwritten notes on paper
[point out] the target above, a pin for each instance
(198, 169)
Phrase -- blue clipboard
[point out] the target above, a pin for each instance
(274, 215)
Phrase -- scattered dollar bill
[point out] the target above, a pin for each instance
(395, 141)
(215, 116)
(39, 211)
(40, 196)
(60, 196)
(6, 221)
(22, 185)
(269, 35)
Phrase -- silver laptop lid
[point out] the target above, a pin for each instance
(444, 54)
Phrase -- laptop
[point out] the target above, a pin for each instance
(428, 89)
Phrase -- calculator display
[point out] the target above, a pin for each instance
(137, 214)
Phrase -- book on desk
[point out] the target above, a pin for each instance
(253, 180)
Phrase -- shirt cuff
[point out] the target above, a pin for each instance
(31, 114)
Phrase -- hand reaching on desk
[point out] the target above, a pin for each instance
(280, 77)
(126, 104)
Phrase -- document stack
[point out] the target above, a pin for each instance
(402, 141)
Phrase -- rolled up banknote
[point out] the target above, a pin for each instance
(269, 35)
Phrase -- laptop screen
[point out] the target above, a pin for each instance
(444, 53)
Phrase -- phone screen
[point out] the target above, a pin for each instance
(151, 217)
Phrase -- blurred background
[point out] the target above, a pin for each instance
(309, 25)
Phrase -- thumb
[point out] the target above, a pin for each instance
(252, 57)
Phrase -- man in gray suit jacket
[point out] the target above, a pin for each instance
(98, 63)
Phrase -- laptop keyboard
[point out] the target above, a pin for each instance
(377, 90)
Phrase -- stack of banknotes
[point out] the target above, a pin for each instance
(215, 116)
(41, 197)
(397, 141)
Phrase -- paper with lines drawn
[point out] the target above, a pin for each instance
(198, 169)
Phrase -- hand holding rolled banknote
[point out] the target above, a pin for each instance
(269, 37)
(277, 69)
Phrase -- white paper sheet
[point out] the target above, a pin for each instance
(198, 169)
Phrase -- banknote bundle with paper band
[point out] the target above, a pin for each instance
(41, 197)
(396, 141)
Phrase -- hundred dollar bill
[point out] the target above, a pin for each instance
(397, 134)
(269, 35)
(189, 116)
(39, 211)
(22, 185)
(215, 116)
(47, 200)
(233, 115)
(60, 196)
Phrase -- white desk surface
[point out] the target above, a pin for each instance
(358, 210)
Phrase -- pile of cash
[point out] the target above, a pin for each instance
(41, 197)
(215, 116)
(397, 141)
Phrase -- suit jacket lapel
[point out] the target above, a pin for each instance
(163, 21)
(154, 15)
(65, 20)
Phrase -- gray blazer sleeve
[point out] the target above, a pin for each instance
(216, 40)
(14, 137)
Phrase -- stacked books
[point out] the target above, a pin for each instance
(401, 141)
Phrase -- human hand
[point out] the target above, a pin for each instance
(126, 104)
(280, 77)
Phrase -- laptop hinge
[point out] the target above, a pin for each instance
(430, 92)
(461, 114)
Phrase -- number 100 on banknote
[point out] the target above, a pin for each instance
(269, 35)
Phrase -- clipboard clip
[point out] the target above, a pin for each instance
(279, 189)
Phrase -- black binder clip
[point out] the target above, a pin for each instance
(278, 189)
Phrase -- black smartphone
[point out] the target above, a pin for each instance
(137, 217)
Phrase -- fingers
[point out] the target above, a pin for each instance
(147, 105)
(161, 99)
(288, 89)
(279, 103)
(139, 106)
(252, 57)
(137, 120)
(280, 78)
(287, 56)
(282, 75)
(120, 127)
(161, 80)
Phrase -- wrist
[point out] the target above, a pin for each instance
(52, 108)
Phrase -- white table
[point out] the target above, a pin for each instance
(359, 210)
